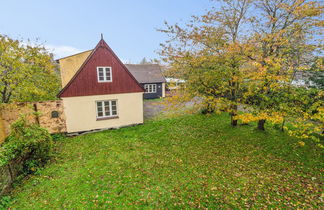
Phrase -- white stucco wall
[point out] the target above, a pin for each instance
(81, 111)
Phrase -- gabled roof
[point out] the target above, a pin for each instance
(146, 73)
(84, 82)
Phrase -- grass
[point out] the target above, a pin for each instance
(192, 161)
(155, 99)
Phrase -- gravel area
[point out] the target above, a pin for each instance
(152, 108)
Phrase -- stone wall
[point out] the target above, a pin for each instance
(9, 113)
(49, 115)
(2, 131)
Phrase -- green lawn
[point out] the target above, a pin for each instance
(155, 99)
(192, 161)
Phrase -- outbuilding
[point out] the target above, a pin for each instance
(151, 79)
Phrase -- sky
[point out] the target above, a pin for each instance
(67, 27)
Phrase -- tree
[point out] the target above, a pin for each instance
(205, 52)
(281, 46)
(27, 73)
(226, 65)
(144, 61)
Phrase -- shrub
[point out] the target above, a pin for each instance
(58, 137)
(4, 202)
(29, 142)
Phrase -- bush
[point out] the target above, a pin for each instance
(58, 137)
(4, 202)
(29, 142)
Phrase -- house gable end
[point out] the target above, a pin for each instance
(85, 81)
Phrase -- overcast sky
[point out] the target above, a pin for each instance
(71, 26)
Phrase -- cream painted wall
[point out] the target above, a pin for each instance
(163, 90)
(81, 113)
(71, 64)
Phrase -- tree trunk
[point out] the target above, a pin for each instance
(37, 116)
(233, 114)
(282, 125)
(233, 121)
(5, 94)
(261, 124)
(210, 108)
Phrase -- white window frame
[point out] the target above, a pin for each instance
(104, 73)
(150, 88)
(104, 116)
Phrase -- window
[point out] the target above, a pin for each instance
(106, 109)
(104, 74)
(150, 88)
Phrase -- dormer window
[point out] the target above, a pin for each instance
(104, 74)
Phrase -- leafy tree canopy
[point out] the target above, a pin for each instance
(27, 72)
(248, 52)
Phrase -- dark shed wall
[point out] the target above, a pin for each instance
(158, 93)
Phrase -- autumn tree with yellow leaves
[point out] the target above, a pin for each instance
(204, 53)
(248, 53)
(281, 45)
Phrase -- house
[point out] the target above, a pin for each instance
(174, 83)
(98, 91)
(150, 77)
(309, 79)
